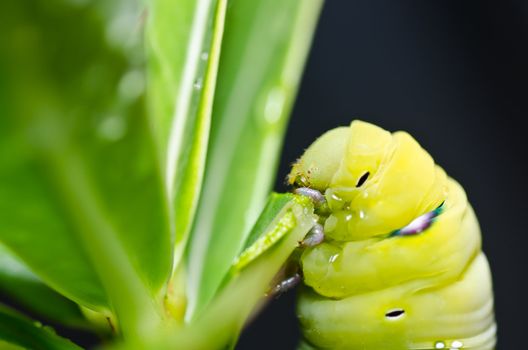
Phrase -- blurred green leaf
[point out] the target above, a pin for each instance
(183, 41)
(9, 346)
(263, 52)
(20, 284)
(82, 200)
(220, 324)
(21, 331)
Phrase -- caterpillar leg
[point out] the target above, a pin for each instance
(316, 196)
(285, 285)
(314, 237)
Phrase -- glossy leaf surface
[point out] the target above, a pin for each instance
(221, 323)
(263, 52)
(183, 42)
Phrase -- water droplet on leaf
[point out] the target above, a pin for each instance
(132, 85)
(112, 128)
(198, 84)
(274, 106)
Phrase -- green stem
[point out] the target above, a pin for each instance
(133, 304)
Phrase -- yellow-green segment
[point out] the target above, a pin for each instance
(368, 289)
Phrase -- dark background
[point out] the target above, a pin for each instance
(454, 74)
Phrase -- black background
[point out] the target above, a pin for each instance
(454, 74)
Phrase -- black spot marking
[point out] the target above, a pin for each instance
(362, 179)
(394, 314)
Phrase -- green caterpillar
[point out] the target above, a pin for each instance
(401, 265)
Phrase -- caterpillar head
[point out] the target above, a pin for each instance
(374, 181)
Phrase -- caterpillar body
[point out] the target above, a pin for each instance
(401, 265)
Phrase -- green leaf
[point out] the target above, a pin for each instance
(21, 285)
(263, 52)
(261, 238)
(9, 346)
(220, 324)
(82, 200)
(183, 41)
(18, 330)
